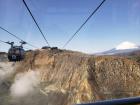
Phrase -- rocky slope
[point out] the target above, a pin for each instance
(67, 77)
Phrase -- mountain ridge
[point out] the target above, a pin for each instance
(123, 48)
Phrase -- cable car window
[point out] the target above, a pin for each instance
(69, 52)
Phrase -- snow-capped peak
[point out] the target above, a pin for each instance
(126, 45)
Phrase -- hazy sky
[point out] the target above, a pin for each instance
(115, 22)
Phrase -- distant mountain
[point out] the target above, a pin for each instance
(123, 48)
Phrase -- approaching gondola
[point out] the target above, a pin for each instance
(16, 53)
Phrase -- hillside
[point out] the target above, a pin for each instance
(58, 77)
(134, 55)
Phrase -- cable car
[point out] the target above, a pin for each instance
(16, 53)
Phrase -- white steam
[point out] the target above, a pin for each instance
(25, 83)
(6, 70)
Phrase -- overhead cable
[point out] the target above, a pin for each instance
(83, 24)
(36, 23)
(2, 41)
(16, 37)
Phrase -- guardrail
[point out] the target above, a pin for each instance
(122, 101)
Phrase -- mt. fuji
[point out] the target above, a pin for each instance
(124, 47)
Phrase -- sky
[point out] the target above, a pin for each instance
(115, 22)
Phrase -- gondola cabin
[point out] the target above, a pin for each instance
(16, 53)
